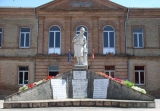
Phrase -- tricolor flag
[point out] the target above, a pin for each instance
(69, 55)
(92, 54)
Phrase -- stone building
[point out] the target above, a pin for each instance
(34, 42)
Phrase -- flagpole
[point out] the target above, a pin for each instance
(69, 55)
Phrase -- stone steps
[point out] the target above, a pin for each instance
(80, 103)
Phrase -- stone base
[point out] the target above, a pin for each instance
(80, 103)
(80, 67)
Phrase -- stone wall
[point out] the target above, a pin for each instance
(121, 92)
(39, 92)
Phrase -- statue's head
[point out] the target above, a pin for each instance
(82, 29)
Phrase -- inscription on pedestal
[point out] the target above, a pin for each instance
(80, 88)
(100, 88)
(79, 74)
(59, 88)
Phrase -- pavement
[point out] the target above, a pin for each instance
(83, 108)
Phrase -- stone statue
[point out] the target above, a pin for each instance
(80, 50)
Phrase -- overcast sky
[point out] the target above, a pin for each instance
(126, 3)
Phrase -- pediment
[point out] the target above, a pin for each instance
(80, 5)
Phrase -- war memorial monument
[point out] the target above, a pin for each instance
(80, 87)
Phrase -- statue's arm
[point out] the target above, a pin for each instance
(74, 40)
(85, 45)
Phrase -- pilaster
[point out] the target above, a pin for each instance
(95, 34)
(68, 31)
(40, 34)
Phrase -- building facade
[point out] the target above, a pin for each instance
(34, 42)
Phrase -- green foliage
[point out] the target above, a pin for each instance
(128, 84)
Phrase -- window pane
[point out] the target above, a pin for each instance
(112, 74)
(53, 68)
(23, 68)
(135, 40)
(22, 40)
(111, 35)
(27, 40)
(51, 39)
(136, 77)
(53, 73)
(137, 30)
(57, 39)
(54, 28)
(105, 41)
(25, 29)
(20, 77)
(142, 77)
(78, 28)
(77, 32)
(25, 77)
(107, 73)
(140, 40)
(139, 67)
(0, 39)
(108, 28)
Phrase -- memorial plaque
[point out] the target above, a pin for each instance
(79, 74)
(59, 88)
(80, 88)
(100, 88)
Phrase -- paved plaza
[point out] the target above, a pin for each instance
(83, 108)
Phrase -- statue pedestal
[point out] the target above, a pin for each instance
(80, 67)
(79, 84)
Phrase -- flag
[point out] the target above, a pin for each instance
(69, 56)
(92, 54)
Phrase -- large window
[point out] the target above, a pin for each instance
(108, 40)
(138, 38)
(110, 71)
(53, 70)
(85, 33)
(23, 75)
(0, 37)
(24, 41)
(139, 75)
(54, 40)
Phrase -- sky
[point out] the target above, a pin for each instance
(35, 3)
